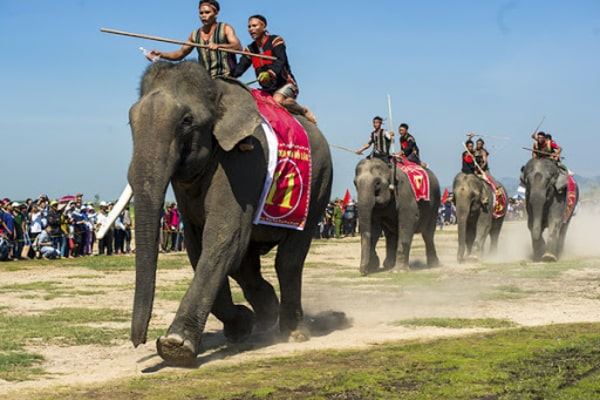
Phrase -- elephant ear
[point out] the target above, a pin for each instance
(237, 116)
(561, 183)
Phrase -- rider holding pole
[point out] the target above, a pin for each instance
(215, 35)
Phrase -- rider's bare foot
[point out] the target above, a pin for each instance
(310, 116)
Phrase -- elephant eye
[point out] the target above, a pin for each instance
(187, 121)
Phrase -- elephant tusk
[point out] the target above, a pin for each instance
(114, 213)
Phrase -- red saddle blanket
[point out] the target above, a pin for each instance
(286, 193)
(500, 197)
(417, 176)
(571, 198)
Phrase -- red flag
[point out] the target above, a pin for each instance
(347, 199)
(445, 196)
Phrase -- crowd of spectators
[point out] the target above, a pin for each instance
(51, 229)
(340, 220)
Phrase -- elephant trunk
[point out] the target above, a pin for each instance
(366, 239)
(148, 212)
(155, 157)
(463, 209)
(537, 200)
(366, 202)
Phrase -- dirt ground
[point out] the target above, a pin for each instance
(506, 287)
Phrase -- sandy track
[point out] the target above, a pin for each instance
(506, 288)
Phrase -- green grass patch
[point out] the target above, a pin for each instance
(507, 292)
(61, 326)
(176, 291)
(457, 323)
(48, 290)
(560, 361)
(105, 263)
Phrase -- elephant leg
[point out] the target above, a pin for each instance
(374, 261)
(289, 263)
(539, 246)
(259, 292)
(470, 237)
(561, 239)
(495, 235)
(405, 237)
(551, 253)
(237, 320)
(222, 252)
(428, 237)
(484, 223)
(391, 248)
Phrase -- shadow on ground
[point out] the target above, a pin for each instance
(218, 348)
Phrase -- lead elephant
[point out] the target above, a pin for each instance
(474, 200)
(396, 212)
(186, 128)
(546, 200)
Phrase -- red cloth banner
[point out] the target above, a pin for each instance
(417, 176)
(500, 197)
(571, 198)
(445, 196)
(285, 203)
(347, 199)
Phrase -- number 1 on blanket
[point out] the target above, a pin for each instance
(287, 198)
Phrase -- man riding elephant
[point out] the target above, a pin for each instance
(396, 212)
(215, 35)
(185, 127)
(274, 76)
(380, 139)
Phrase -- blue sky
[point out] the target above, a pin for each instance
(494, 67)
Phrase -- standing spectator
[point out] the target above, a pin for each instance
(119, 235)
(350, 217)
(105, 244)
(36, 225)
(128, 224)
(166, 229)
(20, 231)
(65, 216)
(338, 213)
(174, 227)
(54, 224)
(91, 223)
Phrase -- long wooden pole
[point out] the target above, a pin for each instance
(182, 42)
(391, 123)
(538, 127)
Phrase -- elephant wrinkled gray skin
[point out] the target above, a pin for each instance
(546, 200)
(396, 213)
(474, 200)
(186, 128)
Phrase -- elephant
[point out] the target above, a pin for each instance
(474, 200)
(395, 212)
(186, 130)
(546, 200)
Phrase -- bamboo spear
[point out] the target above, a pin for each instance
(183, 42)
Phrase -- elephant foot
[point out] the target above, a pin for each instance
(434, 263)
(400, 269)
(300, 335)
(241, 328)
(548, 257)
(388, 264)
(176, 350)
